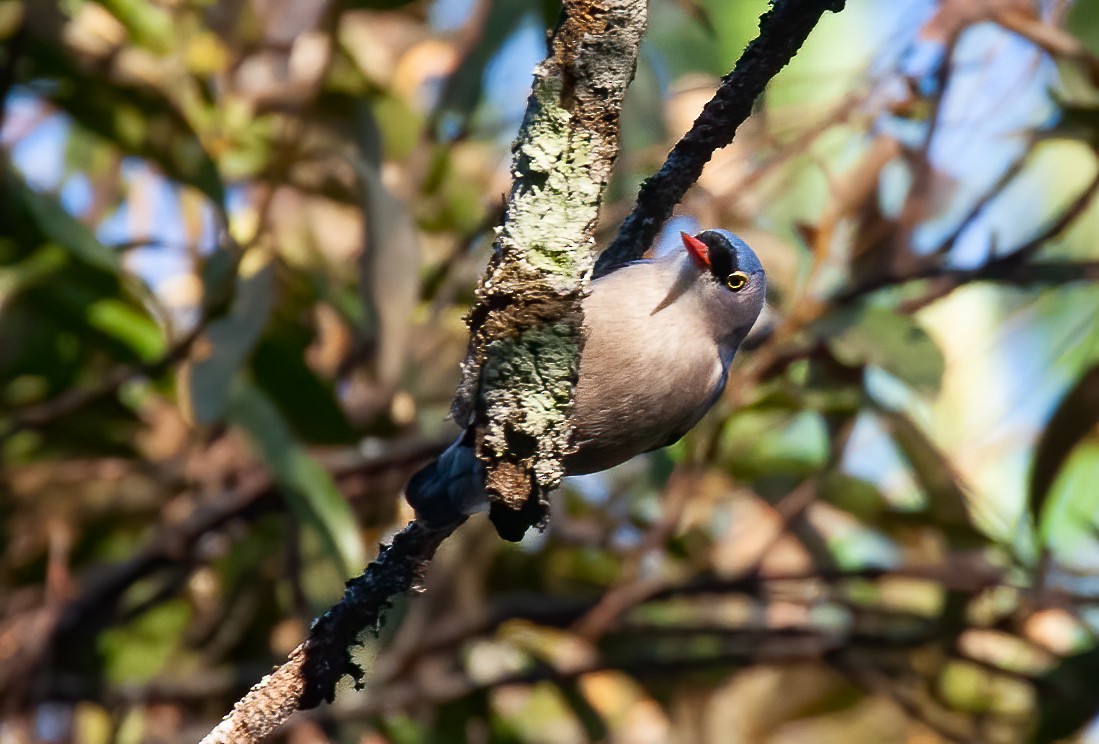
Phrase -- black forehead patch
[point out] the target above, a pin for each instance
(723, 259)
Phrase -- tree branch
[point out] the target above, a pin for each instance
(310, 675)
(526, 326)
(782, 31)
(69, 629)
(524, 346)
(1011, 267)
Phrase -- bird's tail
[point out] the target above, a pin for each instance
(452, 484)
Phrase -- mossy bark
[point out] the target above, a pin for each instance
(526, 329)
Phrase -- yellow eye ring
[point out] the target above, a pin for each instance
(736, 281)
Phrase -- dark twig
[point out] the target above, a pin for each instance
(398, 569)
(1011, 267)
(310, 675)
(174, 550)
(782, 31)
(1074, 209)
(990, 195)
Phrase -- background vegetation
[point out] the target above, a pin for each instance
(237, 240)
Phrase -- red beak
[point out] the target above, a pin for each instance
(698, 250)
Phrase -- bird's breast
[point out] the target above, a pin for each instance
(644, 381)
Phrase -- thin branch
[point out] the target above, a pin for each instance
(634, 590)
(42, 414)
(782, 31)
(633, 586)
(1011, 266)
(176, 550)
(310, 675)
(1057, 42)
(979, 206)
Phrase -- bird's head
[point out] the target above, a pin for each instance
(729, 281)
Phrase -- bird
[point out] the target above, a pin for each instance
(660, 336)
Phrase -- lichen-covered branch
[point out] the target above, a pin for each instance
(782, 31)
(524, 347)
(526, 328)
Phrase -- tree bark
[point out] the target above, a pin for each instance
(526, 337)
(526, 326)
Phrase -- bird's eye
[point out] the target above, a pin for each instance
(736, 281)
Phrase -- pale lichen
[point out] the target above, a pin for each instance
(527, 326)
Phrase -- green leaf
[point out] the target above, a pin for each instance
(760, 443)
(1075, 416)
(129, 325)
(35, 268)
(59, 277)
(1067, 523)
(1082, 21)
(137, 118)
(205, 383)
(883, 338)
(308, 488)
(934, 473)
(149, 25)
(219, 279)
(855, 496)
(308, 402)
(11, 19)
(139, 651)
(63, 228)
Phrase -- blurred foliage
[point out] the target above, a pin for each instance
(236, 242)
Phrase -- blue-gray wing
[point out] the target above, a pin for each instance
(452, 483)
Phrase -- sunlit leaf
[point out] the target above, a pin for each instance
(886, 339)
(129, 325)
(148, 24)
(11, 16)
(594, 726)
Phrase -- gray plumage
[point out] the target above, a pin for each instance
(660, 336)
